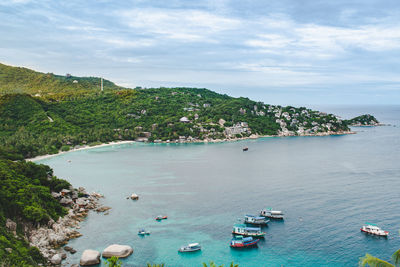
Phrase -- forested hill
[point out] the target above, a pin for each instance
(53, 113)
(47, 85)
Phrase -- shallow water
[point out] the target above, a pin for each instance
(327, 187)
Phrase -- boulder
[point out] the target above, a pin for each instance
(103, 209)
(56, 259)
(120, 251)
(75, 265)
(90, 257)
(134, 196)
(11, 226)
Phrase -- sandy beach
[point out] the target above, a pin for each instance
(77, 149)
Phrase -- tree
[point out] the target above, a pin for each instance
(113, 262)
(212, 264)
(371, 261)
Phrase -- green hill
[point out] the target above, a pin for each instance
(47, 85)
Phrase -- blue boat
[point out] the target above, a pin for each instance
(243, 242)
(250, 219)
(242, 229)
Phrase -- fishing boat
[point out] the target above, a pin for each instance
(243, 242)
(245, 149)
(373, 230)
(242, 229)
(143, 232)
(272, 214)
(190, 248)
(250, 219)
(161, 217)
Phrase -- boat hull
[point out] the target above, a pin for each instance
(241, 245)
(384, 233)
(250, 234)
(191, 250)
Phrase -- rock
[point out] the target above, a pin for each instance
(56, 259)
(90, 257)
(63, 255)
(81, 201)
(75, 265)
(11, 226)
(68, 248)
(103, 209)
(134, 196)
(120, 251)
(65, 201)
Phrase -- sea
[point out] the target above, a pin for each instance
(328, 187)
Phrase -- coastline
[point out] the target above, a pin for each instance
(77, 149)
(253, 136)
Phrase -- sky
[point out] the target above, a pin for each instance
(276, 51)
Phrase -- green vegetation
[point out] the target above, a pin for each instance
(47, 85)
(212, 264)
(45, 113)
(25, 199)
(113, 262)
(366, 120)
(371, 261)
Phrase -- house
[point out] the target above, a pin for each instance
(184, 120)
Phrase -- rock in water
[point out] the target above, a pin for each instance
(56, 259)
(90, 257)
(120, 251)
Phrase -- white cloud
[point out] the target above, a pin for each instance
(181, 24)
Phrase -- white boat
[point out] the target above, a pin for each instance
(272, 214)
(190, 248)
(373, 230)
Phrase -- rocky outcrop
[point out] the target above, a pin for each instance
(120, 251)
(11, 226)
(56, 259)
(49, 238)
(90, 257)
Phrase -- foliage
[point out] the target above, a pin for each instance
(25, 198)
(366, 119)
(371, 261)
(155, 265)
(113, 262)
(212, 264)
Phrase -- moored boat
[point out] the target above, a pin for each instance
(374, 230)
(161, 217)
(242, 242)
(242, 229)
(245, 149)
(250, 219)
(190, 248)
(272, 214)
(143, 232)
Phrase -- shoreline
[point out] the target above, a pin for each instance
(79, 148)
(253, 136)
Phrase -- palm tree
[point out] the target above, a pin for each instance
(371, 261)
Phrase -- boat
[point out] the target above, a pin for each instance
(243, 242)
(245, 149)
(272, 214)
(250, 219)
(161, 217)
(143, 232)
(373, 230)
(190, 248)
(242, 229)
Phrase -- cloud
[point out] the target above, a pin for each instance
(179, 24)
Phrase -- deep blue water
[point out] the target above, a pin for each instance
(327, 187)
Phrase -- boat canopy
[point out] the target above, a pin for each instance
(253, 229)
(194, 245)
(245, 239)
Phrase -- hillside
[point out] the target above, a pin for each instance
(47, 85)
(25, 202)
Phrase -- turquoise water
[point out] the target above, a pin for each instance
(327, 186)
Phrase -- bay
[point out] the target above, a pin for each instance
(328, 188)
